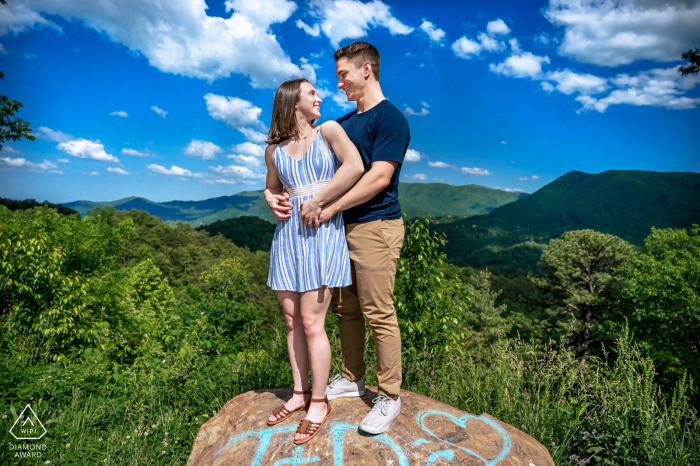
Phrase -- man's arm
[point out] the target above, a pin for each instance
(376, 179)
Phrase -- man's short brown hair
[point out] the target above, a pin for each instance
(358, 53)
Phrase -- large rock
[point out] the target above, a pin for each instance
(426, 432)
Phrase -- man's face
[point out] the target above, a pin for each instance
(351, 79)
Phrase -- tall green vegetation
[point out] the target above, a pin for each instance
(581, 283)
(126, 334)
(661, 298)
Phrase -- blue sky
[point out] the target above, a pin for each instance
(171, 100)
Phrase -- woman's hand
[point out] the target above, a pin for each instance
(310, 211)
(279, 205)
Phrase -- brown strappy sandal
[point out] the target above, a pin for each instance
(309, 428)
(285, 413)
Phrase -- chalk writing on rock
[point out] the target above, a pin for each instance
(462, 422)
(338, 433)
(446, 454)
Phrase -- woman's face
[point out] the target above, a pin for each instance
(309, 102)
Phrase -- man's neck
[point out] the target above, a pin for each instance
(371, 98)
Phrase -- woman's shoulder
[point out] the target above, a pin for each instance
(330, 127)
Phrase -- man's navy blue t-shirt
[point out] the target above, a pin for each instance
(380, 133)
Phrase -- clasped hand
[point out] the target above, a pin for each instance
(310, 212)
(280, 206)
(313, 214)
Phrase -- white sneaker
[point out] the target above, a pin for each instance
(379, 419)
(340, 386)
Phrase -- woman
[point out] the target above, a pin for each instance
(314, 165)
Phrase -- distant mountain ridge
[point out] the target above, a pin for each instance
(624, 203)
(417, 199)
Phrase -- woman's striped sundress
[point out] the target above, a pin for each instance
(305, 258)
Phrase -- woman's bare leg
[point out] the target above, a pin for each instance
(296, 346)
(314, 305)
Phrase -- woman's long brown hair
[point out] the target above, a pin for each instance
(284, 123)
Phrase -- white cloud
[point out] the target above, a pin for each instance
(417, 176)
(423, 112)
(219, 181)
(236, 171)
(655, 88)
(247, 160)
(341, 100)
(203, 150)
(253, 136)
(474, 171)
(490, 44)
(569, 82)
(178, 36)
(173, 171)
(10, 150)
(351, 19)
(118, 171)
(248, 148)
(435, 34)
(497, 27)
(465, 48)
(440, 165)
(50, 135)
(84, 149)
(532, 178)
(134, 153)
(314, 30)
(91, 173)
(412, 156)
(546, 86)
(612, 33)
(235, 112)
(62, 160)
(511, 190)
(503, 142)
(120, 113)
(159, 111)
(522, 65)
(26, 165)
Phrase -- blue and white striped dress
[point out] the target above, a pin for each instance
(305, 258)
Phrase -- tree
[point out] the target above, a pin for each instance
(484, 319)
(581, 280)
(12, 129)
(662, 297)
(693, 57)
(428, 306)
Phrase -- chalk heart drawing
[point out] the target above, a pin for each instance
(462, 422)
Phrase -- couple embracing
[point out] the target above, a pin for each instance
(333, 189)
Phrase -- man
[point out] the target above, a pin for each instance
(374, 231)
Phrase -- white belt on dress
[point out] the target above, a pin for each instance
(308, 189)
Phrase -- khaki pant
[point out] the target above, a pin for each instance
(374, 253)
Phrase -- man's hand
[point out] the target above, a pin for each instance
(279, 205)
(327, 213)
(310, 211)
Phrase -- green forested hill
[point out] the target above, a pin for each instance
(619, 202)
(440, 200)
(417, 199)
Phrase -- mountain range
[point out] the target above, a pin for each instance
(624, 203)
(417, 200)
